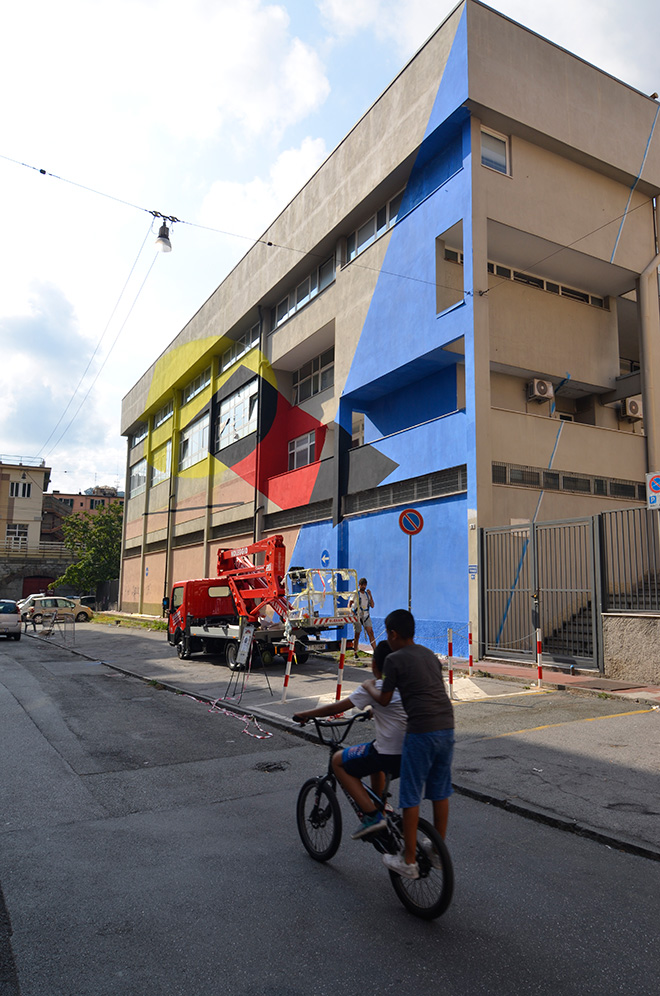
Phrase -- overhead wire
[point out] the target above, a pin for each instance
(106, 358)
(98, 344)
(254, 241)
(307, 252)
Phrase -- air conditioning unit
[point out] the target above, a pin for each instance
(540, 390)
(631, 409)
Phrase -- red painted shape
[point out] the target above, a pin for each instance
(287, 490)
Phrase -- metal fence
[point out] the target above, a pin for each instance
(541, 575)
(630, 544)
(19, 548)
(561, 577)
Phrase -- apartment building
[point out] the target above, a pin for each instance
(457, 313)
(23, 481)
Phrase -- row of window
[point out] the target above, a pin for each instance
(375, 226)
(522, 277)
(20, 489)
(320, 278)
(555, 480)
(237, 418)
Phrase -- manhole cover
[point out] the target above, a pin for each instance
(271, 766)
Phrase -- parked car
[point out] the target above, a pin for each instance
(33, 610)
(10, 618)
(88, 600)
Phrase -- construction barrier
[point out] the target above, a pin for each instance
(539, 655)
(450, 661)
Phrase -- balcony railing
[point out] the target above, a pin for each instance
(21, 549)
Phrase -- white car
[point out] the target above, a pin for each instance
(10, 618)
(36, 606)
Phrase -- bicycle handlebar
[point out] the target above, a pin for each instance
(335, 725)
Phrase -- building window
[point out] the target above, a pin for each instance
(97, 503)
(240, 347)
(163, 414)
(299, 296)
(368, 232)
(194, 442)
(140, 433)
(495, 151)
(196, 386)
(137, 478)
(20, 489)
(16, 534)
(238, 415)
(315, 376)
(301, 450)
(161, 460)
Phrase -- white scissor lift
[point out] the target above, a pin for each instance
(319, 598)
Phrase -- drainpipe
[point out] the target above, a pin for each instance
(649, 317)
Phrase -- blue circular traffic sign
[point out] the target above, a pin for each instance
(411, 521)
(654, 483)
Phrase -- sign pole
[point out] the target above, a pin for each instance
(411, 522)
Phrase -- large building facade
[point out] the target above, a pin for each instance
(457, 313)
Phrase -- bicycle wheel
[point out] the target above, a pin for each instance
(319, 819)
(429, 895)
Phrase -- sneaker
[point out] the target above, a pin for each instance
(397, 863)
(430, 852)
(369, 825)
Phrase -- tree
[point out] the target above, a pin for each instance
(96, 541)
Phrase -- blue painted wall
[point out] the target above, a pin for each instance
(401, 376)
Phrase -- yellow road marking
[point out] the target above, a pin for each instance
(587, 719)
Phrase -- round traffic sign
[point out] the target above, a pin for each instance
(654, 483)
(411, 521)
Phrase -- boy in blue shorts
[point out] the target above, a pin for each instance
(416, 673)
(381, 755)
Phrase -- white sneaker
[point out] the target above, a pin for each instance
(397, 863)
(430, 852)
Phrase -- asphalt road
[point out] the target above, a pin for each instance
(148, 845)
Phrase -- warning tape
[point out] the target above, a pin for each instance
(248, 720)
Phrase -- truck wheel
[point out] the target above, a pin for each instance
(182, 649)
(231, 653)
(302, 652)
(267, 653)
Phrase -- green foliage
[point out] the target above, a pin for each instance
(95, 539)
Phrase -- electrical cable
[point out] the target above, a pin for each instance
(107, 356)
(304, 252)
(96, 348)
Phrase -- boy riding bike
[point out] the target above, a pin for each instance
(375, 758)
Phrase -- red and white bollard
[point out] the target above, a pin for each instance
(340, 669)
(287, 673)
(470, 658)
(450, 661)
(539, 654)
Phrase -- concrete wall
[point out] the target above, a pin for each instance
(631, 646)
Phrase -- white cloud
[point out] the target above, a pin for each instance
(248, 208)
(404, 23)
(613, 36)
(192, 70)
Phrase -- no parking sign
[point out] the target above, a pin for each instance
(411, 522)
(653, 490)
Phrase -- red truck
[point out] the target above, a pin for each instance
(212, 614)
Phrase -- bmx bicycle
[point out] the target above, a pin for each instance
(319, 819)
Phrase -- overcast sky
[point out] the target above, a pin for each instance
(214, 111)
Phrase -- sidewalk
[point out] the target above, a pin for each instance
(585, 681)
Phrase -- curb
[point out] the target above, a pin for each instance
(530, 812)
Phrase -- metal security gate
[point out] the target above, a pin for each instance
(542, 575)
